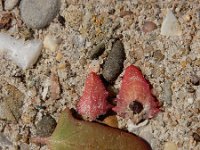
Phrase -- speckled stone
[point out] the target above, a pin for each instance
(46, 126)
(38, 13)
(114, 63)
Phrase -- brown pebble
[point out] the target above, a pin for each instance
(149, 26)
(125, 13)
(5, 21)
(195, 80)
(158, 55)
(196, 137)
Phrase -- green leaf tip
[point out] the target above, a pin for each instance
(74, 134)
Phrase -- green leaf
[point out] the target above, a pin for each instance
(74, 134)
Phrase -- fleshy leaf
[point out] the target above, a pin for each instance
(74, 134)
(93, 102)
(135, 97)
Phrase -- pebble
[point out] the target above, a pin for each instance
(5, 20)
(38, 13)
(167, 91)
(10, 4)
(149, 26)
(54, 86)
(196, 137)
(50, 43)
(4, 141)
(158, 55)
(10, 107)
(114, 63)
(170, 146)
(23, 53)
(45, 126)
(97, 51)
(195, 80)
(170, 25)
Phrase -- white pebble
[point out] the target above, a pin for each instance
(170, 25)
(190, 100)
(23, 53)
(50, 43)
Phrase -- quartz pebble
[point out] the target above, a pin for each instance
(170, 25)
(170, 146)
(114, 63)
(38, 13)
(24, 54)
(10, 4)
(50, 43)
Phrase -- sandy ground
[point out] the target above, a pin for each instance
(169, 63)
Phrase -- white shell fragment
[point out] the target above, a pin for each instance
(23, 53)
(170, 25)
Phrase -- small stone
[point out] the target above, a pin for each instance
(170, 25)
(59, 56)
(125, 13)
(111, 121)
(23, 53)
(170, 146)
(50, 43)
(167, 91)
(4, 141)
(45, 126)
(10, 4)
(196, 137)
(195, 80)
(149, 26)
(38, 13)
(10, 107)
(5, 20)
(114, 63)
(158, 55)
(54, 86)
(97, 51)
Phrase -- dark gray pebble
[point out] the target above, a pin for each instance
(114, 63)
(97, 51)
(46, 126)
(38, 13)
